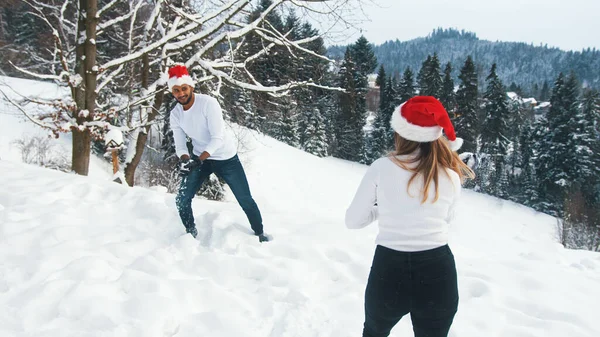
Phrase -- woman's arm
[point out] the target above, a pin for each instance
(362, 210)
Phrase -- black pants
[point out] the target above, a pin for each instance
(232, 172)
(423, 284)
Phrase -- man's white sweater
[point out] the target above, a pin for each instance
(404, 223)
(203, 123)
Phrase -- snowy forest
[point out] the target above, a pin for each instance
(529, 66)
(272, 72)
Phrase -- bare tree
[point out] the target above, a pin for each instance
(153, 34)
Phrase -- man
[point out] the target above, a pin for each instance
(200, 118)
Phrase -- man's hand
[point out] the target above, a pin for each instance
(186, 165)
(204, 156)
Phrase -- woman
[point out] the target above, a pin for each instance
(412, 192)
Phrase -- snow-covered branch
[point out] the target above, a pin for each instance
(25, 113)
(132, 24)
(258, 87)
(155, 45)
(155, 13)
(201, 20)
(40, 14)
(283, 41)
(174, 34)
(109, 78)
(107, 8)
(210, 31)
(102, 26)
(40, 76)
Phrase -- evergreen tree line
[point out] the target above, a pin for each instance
(546, 160)
(522, 63)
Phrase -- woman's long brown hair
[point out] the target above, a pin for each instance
(431, 158)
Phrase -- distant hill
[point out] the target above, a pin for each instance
(524, 64)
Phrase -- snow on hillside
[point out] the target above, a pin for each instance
(83, 256)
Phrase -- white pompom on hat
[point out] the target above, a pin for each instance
(422, 119)
(179, 75)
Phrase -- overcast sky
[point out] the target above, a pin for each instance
(566, 24)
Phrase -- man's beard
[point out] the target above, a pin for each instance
(187, 101)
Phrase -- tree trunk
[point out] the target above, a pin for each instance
(141, 140)
(85, 96)
(142, 136)
(81, 151)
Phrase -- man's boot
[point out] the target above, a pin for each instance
(192, 231)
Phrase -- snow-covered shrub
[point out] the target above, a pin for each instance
(43, 151)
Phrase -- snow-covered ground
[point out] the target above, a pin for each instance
(83, 256)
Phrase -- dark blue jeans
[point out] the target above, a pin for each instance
(423, 284)
(232, 172)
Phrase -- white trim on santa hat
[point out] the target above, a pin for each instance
(414, 132)
(455, 144)
(185, 79)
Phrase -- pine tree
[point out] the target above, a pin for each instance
(349, 119)
(306, 102)
(365, 64)
(500, 178)
(495, 127)
(447, 95)
(494, 140)
(430, 79)
(241, 107)
(407, 86)
(381, 79)
(515, 123)
(316, 140)
(434, 78)
(396, 83)
(582, 201)
(535, 91)
(527, 182)
(268, 69)
(364, 56)
(375, 140)
(545, 92)
(286, 126)
(327, 103)
(553, 165)
(388, 110)
(585, 144)
(422, 75)
(290, 69)
(466, 120)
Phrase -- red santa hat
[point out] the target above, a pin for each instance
(178, 75)
(422, 119)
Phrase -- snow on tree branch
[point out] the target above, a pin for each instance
(201, 20)
(174, 34)
(31, 118)
(107, 79)
(210, 31)
(155, 13)
(102, 26)
(107, 8)
(132, 24)
(283, 41)
(40, 76)
(280, 90)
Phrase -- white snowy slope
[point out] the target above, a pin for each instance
(83, 256)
